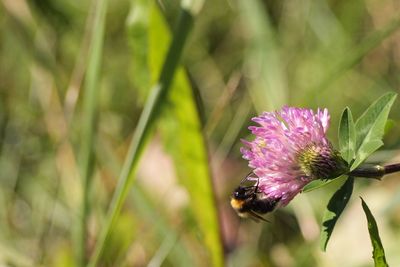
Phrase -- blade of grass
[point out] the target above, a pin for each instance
(234, 128)
(89, 109)
(138, 31)
(179, 255)
(78, 72)
(145, 210)
(149, 114)
(355, 55)
(163, 251)
(218, 111)
(263, 58)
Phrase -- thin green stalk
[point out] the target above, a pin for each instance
(234, 128)
(89, 108)
(143, 129)
(263, 57)
(354, 56)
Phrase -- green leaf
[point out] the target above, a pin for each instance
(347, 136)
(367, 149)
(370, 127)
(378, 253)
(316, 184)
(183, 138)
(390, 123)
(367, 124)
(151, 112)
(334, 209)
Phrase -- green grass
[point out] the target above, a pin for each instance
(90, 97)
(120, 127)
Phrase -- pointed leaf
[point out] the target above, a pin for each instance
(370, 127)
(378, 253)
(390, 123)
(367, 121)
(334, 209)
(347, 136)
(180, 124)
(182, 135)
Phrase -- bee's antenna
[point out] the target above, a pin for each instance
(247, 177)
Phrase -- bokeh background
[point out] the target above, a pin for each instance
(242, 57)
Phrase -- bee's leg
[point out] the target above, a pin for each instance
(256, 186)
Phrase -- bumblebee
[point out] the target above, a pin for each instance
(249, 202)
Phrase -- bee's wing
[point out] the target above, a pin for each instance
(254, 216)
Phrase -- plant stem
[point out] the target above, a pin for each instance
(392, 168)
(375, 171)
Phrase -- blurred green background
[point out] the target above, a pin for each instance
(242, 57)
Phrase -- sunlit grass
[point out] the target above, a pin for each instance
(90, 98)
(133, 137)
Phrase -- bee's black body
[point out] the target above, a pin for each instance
(247, 201)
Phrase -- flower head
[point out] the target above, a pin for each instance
(290, 150)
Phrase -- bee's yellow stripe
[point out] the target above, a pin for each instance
(236, 204)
